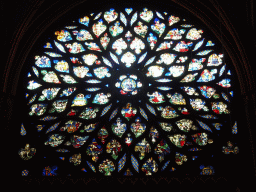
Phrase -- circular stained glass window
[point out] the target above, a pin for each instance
(129, 92)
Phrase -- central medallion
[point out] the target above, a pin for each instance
(128, 84)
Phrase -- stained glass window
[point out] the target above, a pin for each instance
(129, 92)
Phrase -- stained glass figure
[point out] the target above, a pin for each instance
(70, 80)
(104, 40)
(152, 40)
(50, 171)
(103, 134)
(33, 85)
(59, 106)
(128, 111)
(200, 138)
(185, 125)
(48, 45)
(194, 34)
(230, 148)
(78, 141)
(158, 27)
(55, 140)
(38, 109)
(155, 71)
(225, 83)
(80, 100)
(93, 46)
(198, 104)
(215, 60)
(115, 29)
(141, 29)
(119, 128)
(50, 77)
(102, 72)
(128, 85)
(162, 149)
(219, 108)
(172, 20)
(150, 166)
(71, 126)
(75, 159)
(196, 64)
(101, 98)
(94, 150)
(89, 59)
(107, 167)
(43, 62)
(89, 128)
(178, 140)
(207, 75)
(128, 139)
(153, 134)
(99, 28)
(182, 46)
(146, 15)
(175, 34)
(27, 152)
(166, 58)
(138, 128)
(189, 78)
(176, 99)
(114, 147)
(180, 158)
(83, 35)
(63, 35)
(85, 20)
(166, 126)
(168, 112)
(75, 48)
(49, 94)
(165, 45)
(110, 15)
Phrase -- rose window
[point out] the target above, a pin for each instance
(129, 92)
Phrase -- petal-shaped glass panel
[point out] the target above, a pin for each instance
(110, 15)
(155, 71)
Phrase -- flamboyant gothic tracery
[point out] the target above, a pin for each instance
(129, 92)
